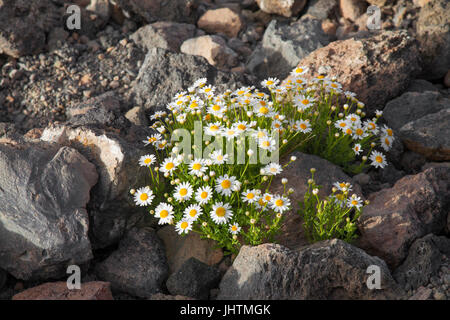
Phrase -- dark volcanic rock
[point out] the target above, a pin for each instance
(138, 267)
(165, 73)
(415, 206)
(193, 279)
(423, 261)
(330, 269)
(43, 221)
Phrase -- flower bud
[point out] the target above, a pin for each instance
(284, 181)
(132, 191)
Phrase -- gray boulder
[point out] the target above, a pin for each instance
(423, 262)
(284, 45)
(111, 210)
(138, 267)
(43, 220)
(330, 269)
(194, 279)
(164, 73)
(429, 135)
(412, 106)
(164, 34)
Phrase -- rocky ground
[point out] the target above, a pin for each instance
(74, 107)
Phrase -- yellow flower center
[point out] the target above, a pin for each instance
(214, 128)
(342, 124)
(170, 166)
(234, 228)
(240, 92)
(279, 202)
(379, 159)
(220, 212)
(204, 195)
(183, 192)
(219, 157)
(299, 70)
(268, 198)
(305, 101)
(250, 196)
(147, 160)
(270, 82)
(261, 134)
(303, 126)
(216, 107)
(242, 127)
(226, 184)
(266, 143)
(197, 166)
(389, 132)
(193, 213)
(359, 132)
(193, 105)
(354, 202)
(263, 110)
(184, 225)
(164, 213)
(143, 196)
(349, 131)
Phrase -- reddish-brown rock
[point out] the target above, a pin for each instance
(415, 206)
(287, 8)
(95, 290)
(223, 20)
(352, 9)
(377, 68)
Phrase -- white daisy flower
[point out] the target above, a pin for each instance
(343, 186)
(195, 104)
(354, 202)
(261, 108)
(169, 165)
(234, 228)
(209, 89)
(250, 196)
(353, 119)
(143, 196)
(229, 133)
(147, 160)
(303, 126)
(203, 195)
(342, 125)
(378, 159)
(160, 145)
(386, 131)
(357, 149)
(267, 144)
(303, 102)
(221, 213)
(192, 212)
(218, 158)
(300, 70)
(273, 169)
(371, 126)
(200, 83)
(359, 133)
(164, 212)
(280, 203)
(183, 191)
(217, 109)
(241, 126)
(183, 226)
(260, 133)
(224, 184)
(386, 143)
(270, 83)
(152, 139)
(212, 129)
(277, 125)
(198, 167)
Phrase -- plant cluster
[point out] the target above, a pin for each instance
(224, 193)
